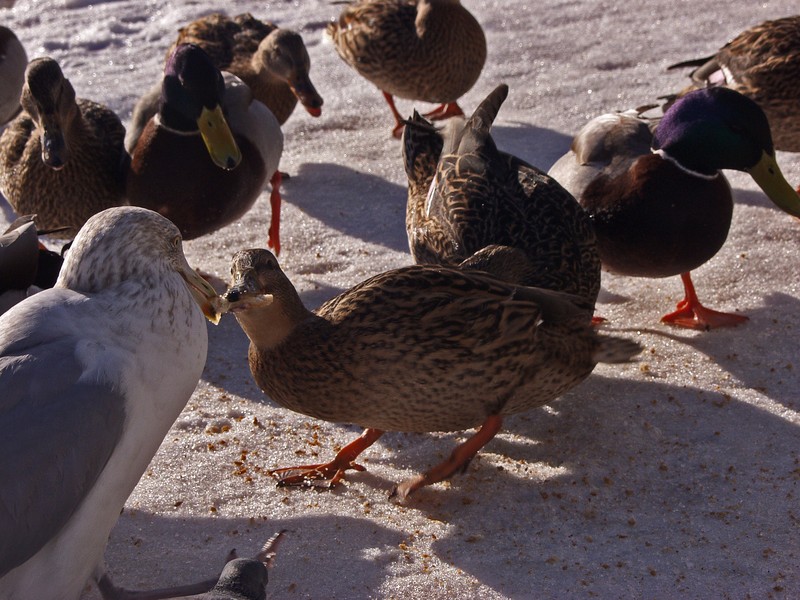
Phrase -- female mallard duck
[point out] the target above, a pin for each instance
(62, 158)
(478, 348)
(13, 61)
(429, 50)
(272, 61)
(464, 195)
(206, 155)
(763, 63)
(658, 200)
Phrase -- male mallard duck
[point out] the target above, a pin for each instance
(26, 266)
(416, 349)
(62, 158)
(659, 202)
(13, 61)
(272, 61)
(763, 63)
(464, 195)
(207, 154)
(429, 50)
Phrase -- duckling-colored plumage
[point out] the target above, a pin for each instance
(654, 190)
(464, 195)
(203, 179)
(763, 63)
(13, 60)
(429, 50)
(272, 61)
(62, 158)
(421, 348)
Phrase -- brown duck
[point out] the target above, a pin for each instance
(417, 349)
(464, 195)
(272, 61)
(429, 50)
(62, 158)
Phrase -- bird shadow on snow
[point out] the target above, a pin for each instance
(538, 146)
(662, 484)
(138, 539)
(355, 203)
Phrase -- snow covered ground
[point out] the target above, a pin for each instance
(676, 476)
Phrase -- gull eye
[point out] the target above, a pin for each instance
(176, 242)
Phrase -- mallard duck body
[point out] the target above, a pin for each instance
(13, 60)
(655, 193)
(763, 63)
(421, 348)
(272, 61)
(428, 50)
(62, 158)
(174, 172)
(476, 196)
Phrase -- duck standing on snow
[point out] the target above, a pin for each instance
(204, 158)
(654, 189)
(763, 63)
(13, 61)
(272, 61)
(428, 50)
(62, 159)
(465, 195)
(417, 349)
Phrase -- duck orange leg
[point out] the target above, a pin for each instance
(274, 239)
(458, 461)
(693, 315)
(445, 111)
(399, 124)
(328, 474)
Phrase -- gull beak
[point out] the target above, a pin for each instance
(206, 296)
(770, 179)
(218, 138)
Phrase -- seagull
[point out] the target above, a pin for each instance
(93, 373)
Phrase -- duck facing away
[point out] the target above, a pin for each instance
(654, 190)
(62, 158)
(428, 50)
(465, 195)
(13, 61)
(272, 61)
(205, 156)
(417, 349)
(763, 63)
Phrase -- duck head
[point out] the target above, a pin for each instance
(191, 100)
(49, 99)
(718, 128)
(284, 55)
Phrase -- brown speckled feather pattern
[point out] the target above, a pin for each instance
(421, 348)
(231, 43)
(485, 197)
(764, 64)
(436, 57)
(91, 181)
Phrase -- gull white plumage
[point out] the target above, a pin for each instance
(94, 372)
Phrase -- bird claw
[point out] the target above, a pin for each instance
(322, 476)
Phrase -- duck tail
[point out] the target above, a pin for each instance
(463, 137)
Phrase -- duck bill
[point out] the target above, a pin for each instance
(218, 139)
(54, 149)
(769, 178)
(307, 94)
(206, 296)
(242, 296)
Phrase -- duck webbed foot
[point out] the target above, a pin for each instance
(274, 239)
(693, 315)
(457, 462)
(327, 475)
(445, 111)
(399, 122)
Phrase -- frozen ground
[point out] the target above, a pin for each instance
(676, 476)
